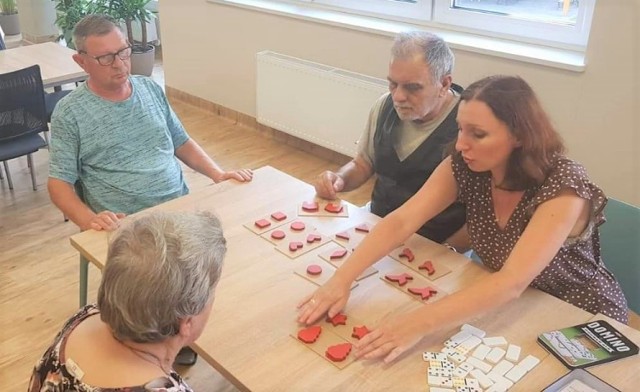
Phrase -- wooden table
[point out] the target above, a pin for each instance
(56, 65)
(248, 337)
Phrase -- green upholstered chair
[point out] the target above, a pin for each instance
(620, 242)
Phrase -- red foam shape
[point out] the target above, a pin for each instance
(364, 228)
(333, 208)
(406, 252)
(428, 266)
(278, 234)
(338, 352)
(295, 245)
(297, 226)
(279, 216)
(310, 206)
(314, 269)
(311, 238)
(262, 223)
(338, 319)
(343, 235)
(423, 292)
(338, 254)
(401, 279)
(360, 332)
(310, 334)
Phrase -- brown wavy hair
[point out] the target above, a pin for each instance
(513, 102)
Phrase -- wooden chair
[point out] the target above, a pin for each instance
(620, 244)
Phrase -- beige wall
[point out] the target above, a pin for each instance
(209, 51)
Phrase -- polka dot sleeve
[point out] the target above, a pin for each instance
(568, 174)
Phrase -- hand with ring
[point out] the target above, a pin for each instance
(329, 299)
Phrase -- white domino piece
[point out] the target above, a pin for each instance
(495, 355)
(481, 352)
(472, 382)
(448, 351)
(439, 372)
(495, 341)
(437, 381)
(496, 378)
(437, 389)
(485, 382)
(460, 372)
(516, 373)
(461, 336)
(485, 367)
(502, 367)
(450, 343)
(529, 362)
(474, 330)
(457, 358)
(466, 366)
(513, 353)
(470, 343)
(429, 356)
(500, 386)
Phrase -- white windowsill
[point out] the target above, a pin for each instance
(520, 51)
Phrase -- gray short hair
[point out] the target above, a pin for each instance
(434, 50)
(95, 24)
(160, 269)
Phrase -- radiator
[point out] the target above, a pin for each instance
(315, 102)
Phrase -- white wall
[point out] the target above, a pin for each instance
(209, 51)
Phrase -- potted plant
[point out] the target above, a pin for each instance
(69, 13)
(9, 17)
(130, 12)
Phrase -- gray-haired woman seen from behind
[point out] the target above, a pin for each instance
(155, 297)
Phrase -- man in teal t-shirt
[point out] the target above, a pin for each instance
(117, 137)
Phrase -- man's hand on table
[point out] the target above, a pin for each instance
(328, 184)
(105, 220)
(241, 175)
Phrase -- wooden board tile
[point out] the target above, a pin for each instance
(355, 236)
(274, 223)
(417, 282)
(322, 203)
(327, 272)
(324, 341)
(330, 248)
(420, 247)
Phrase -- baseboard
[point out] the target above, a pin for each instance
(251, 122)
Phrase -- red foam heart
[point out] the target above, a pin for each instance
(279, 216)
(314, 269)
(297, 226)
(310, 206)
(338, 254)
(311, 238)
(310, 334)
(339, 352)
(278, 234)
(295, 245)
(262, 223)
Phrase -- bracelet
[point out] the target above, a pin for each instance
(450, 247)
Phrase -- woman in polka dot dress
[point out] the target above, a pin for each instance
(532, 216)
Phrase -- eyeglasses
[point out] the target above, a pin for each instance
(108, 59)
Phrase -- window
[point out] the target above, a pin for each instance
(560, 23)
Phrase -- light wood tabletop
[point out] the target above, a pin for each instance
(248, 338)
(56, 65)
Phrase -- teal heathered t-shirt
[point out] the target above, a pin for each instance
(123, 153)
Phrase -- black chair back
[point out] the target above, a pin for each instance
(22, 107)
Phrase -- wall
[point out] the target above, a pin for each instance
(209, 51)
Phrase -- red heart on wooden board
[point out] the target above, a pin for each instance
(339, 352)
(310, 334)
(310, 206)
(311, 238)
(295, 245)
